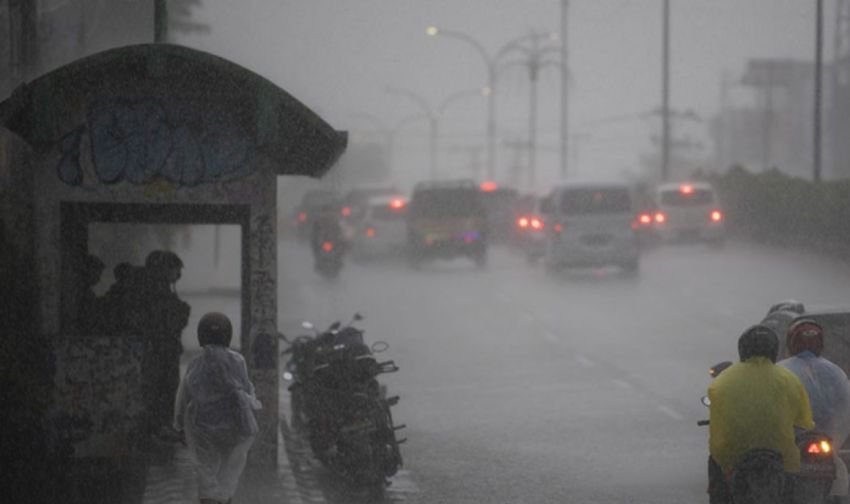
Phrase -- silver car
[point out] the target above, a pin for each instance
(591, 224)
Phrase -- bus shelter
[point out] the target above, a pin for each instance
(150, 133)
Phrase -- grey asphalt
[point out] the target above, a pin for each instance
(520, 386)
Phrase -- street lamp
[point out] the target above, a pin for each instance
(534, 59)
(432, 123)
(490, 64)
(434, 116)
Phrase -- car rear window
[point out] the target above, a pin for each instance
(696, 197)
(595, 201)
(447, 203)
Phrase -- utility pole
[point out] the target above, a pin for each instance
(160, 20)
(665, 92)
(23, 41)
(564, 80)
(816, 136)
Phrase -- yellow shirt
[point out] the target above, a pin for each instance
(756, 404)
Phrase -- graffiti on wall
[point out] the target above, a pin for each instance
(143, 141)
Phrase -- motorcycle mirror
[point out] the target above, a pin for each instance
(718, 368)
(705, 401)
(380, 346)
(358, 317)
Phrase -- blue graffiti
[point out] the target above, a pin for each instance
(139, 142)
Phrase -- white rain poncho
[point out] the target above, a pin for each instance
(214, 406)
(829, 395)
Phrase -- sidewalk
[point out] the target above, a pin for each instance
(174, 482)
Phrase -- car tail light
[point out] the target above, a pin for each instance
(686, 189)
(302, 217)
(536, 223)
(716, 216)
(346, 211)
(370, 232)
(819, 447)
(660, 218)
(522, 222)
(558, 228)
(328, 246)
(645, 219)
(397, 204)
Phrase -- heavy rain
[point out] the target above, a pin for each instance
(409, 251)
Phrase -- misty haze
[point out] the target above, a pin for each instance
(459, 251)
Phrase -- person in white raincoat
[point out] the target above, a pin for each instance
(827, 386)
(215, 408)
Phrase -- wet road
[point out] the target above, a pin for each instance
(521, 387)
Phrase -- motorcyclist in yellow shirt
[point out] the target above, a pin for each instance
(754, 404)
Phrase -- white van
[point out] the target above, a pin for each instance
(591, 224)
(688, 211)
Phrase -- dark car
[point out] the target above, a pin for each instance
(447, 219)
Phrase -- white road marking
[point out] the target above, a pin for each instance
(670, 412)
(584, 361)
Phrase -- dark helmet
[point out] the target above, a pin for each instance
(163, 259)
(758, 341)
(215, 328)
(804, 334)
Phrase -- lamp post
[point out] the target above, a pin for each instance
(534, 58)
(490, 64)
(432, 124)
(434, 117)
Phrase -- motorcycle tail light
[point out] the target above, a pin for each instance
(346, 211)
(660, 218)
(302, 217)
(370, 232)
(558, 228)
(819, 447)
(716, 216)
(328, 246)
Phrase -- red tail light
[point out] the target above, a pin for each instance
(536, 223)
(522, 222)
(397, 204)
(645, 219)
(328, 246)
(302, 217)
(370, 232)
(346, 211)
(557, 228)
(660, 218)
(716, 216)
(819, 447)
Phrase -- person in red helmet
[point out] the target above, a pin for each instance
(826, 384)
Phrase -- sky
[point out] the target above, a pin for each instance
(340, 56)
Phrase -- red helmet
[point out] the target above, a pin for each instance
(805, 334)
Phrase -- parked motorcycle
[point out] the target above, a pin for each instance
(760, 477)
(340, 406)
